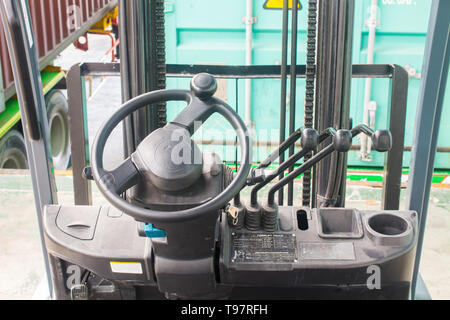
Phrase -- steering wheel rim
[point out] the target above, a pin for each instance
(156, 216)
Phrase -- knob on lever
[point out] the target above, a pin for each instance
(343, 141)
(204, 86)
(381, 139)
(310, 139)
(201, 103)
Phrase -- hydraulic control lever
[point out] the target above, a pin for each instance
(342, 142)
(257, 175)
(381, 139)
(281, 149)
(255, 216)
(267, 216)
(310, 139)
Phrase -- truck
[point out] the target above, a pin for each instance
(56, 25)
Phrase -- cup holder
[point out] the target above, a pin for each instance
(389, 229)
(388, 224)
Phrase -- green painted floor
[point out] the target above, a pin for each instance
(21, 261)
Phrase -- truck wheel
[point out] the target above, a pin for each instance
(58, 120)
(13, 152)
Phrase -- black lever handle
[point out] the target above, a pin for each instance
(381, 139)
(23, 59)
(342, 142)
(281, 149)
(310, 139)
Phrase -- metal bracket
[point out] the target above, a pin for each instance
(249, 20)
(372, 23)
(412, 72)
(169, 7)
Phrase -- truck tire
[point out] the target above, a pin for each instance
(13, 152)
(58, 121)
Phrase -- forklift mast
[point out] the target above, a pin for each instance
(143, 65)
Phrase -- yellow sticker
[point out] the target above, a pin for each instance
(278, 4)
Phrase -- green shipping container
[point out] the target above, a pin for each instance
(213, 32)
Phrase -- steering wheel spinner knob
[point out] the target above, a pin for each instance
(204, 86)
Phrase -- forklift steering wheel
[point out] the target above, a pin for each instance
(201, 105)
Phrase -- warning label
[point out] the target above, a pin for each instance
(278, 4)
(263, 247)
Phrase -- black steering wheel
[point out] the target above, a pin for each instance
(201, 105)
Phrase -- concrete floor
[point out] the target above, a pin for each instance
(21, 260)
(20, 241)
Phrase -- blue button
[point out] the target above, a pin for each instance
(152, 232)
